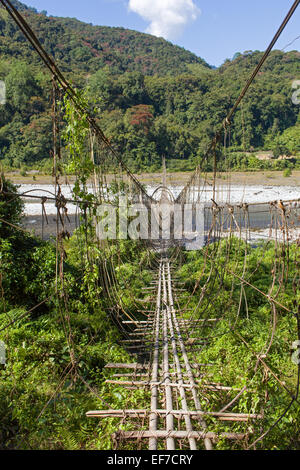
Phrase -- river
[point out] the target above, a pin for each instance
(255, 194)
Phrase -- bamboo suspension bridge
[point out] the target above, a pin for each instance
(164, 332)
(171, 369)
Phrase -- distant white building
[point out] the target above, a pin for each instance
(265, 155)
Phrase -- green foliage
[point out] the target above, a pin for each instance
(75, 136)
(42, 401)
(25, 123)
(235, 363)
(11, 207)
(287, 172)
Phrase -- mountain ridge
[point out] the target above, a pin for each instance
(82, 46)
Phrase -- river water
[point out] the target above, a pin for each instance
(259, 215)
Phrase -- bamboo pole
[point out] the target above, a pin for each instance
(177, 435)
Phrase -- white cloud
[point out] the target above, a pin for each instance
(167, 18)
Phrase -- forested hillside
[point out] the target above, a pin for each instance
(78, 47)
(151, 98)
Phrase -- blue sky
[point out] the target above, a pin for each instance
(212, 29)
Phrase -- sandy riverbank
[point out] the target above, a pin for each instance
(270, 178)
